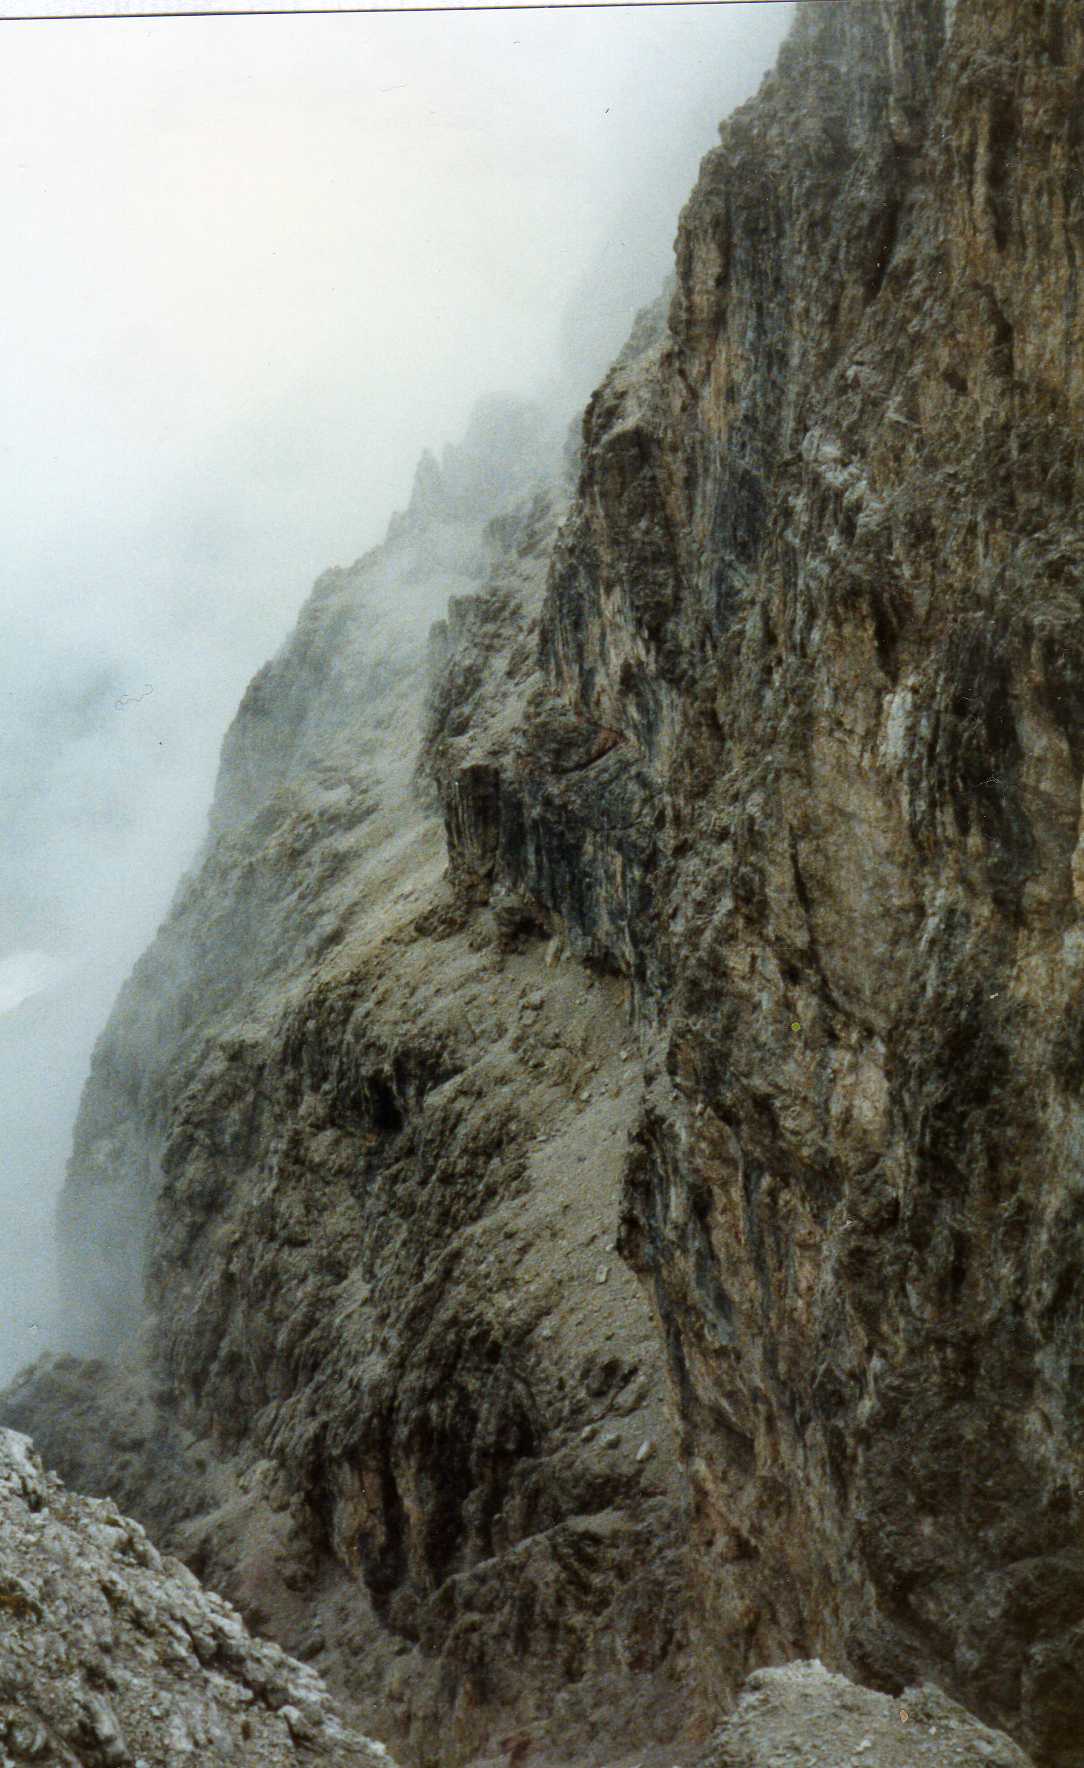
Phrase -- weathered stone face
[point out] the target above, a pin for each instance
(823, 578)
(777, 726)
(111, 1655)
(355, 1149)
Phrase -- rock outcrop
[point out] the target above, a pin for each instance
(729, 921)
(406, 1407)
(804, 1716)
(112, 1655)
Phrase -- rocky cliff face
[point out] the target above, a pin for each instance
(731, 918)
(406, 1407)
(111, 1655)
(821, 584)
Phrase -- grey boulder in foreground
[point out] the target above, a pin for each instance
(113, 1654)
(802, 1716)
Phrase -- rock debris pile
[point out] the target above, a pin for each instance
(112, 1656)
(802, 1716)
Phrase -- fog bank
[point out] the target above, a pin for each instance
(257, 266)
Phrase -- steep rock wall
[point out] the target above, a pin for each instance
(821, 586)
(760, 769)
(344, 1196)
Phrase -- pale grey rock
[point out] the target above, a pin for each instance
(96, 1667)
(800, 1715)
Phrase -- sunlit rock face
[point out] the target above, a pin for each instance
(612, 1086)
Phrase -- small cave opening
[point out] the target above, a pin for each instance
(387, 1116)
(881, 239)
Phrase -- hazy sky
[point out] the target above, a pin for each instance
(252, 267)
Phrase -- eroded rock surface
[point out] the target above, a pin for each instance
(405, 1406)
(806, 1717)
(817, 607)
(112, 1655)
(647, 1115)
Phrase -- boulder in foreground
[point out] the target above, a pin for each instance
(802, 1716)
(113, 1654)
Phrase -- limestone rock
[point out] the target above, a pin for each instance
(823, 576)
(771, 729)
(111, 1654)
(801, 1715)
(374, 1336)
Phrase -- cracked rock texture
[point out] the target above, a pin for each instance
(804, 765)
(596, 1153)
(803, 1716)
(392, 1390)
(111, 1655)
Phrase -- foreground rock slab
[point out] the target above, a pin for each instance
(111, 1654)
(802, 1716)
